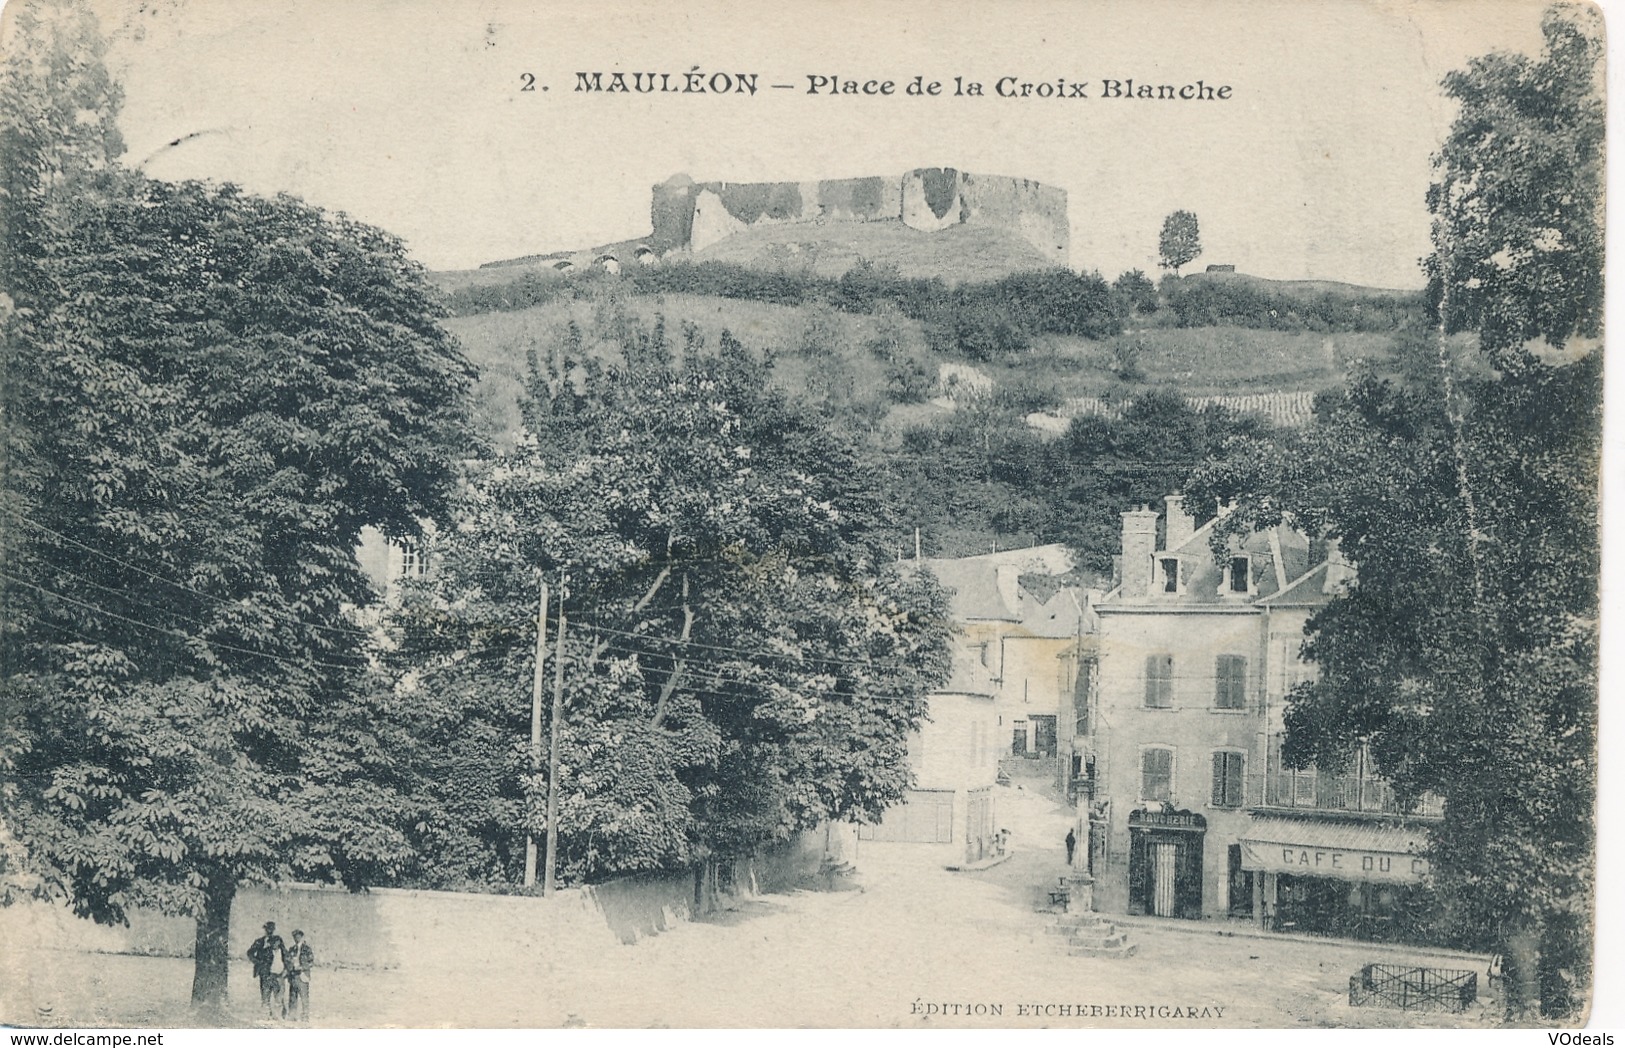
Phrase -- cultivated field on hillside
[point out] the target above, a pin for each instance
(1196, 361)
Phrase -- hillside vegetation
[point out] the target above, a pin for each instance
(1009, 411)
(881, 369)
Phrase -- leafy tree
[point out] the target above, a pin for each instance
(209, 395)
(59, 133)
(1104, 466)
(1518, 193)
(1466, 655)
(1136, 291)
(1181, 240)
(739, 662)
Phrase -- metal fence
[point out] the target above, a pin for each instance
(1413, 989)
(1342, 793)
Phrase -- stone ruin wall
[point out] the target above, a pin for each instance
(689, 215)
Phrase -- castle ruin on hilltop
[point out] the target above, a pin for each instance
(1008, 224)
(690, 215)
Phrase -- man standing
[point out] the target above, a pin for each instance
(300, 959)
(1071, 845)
(269, 954)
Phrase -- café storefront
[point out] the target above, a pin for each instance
(1347, 878)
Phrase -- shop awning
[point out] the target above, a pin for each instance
(1348, 850)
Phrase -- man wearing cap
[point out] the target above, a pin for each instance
(269, 954)
(300, 960)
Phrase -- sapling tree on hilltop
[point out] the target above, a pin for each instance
(1181, 240)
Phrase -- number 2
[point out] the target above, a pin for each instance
(530, 81)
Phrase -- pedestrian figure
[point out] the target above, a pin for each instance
(269, 954)
(1071, 845)
(300, 960)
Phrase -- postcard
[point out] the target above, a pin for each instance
(918, 515)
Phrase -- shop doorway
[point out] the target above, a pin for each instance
(1044, 735)
(1241, 885)
(1165, 864)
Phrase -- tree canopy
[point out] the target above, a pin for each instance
(1517, 196)
(1181, 240)
(1466, 654)
(208, 395)
(742, 660)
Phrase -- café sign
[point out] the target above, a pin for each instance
(1351, 864)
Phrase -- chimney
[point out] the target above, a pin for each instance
(1181, 525)
(1006, 578)
(1139, 546)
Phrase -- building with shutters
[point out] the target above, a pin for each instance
(1023, 617)
(1010, 702)
(1191, 812)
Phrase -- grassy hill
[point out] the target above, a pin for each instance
(851, 375)
(498, 342)
(1304, 288)
(959, 253)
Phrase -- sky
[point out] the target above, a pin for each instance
(411, 115)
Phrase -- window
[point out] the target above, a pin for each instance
(1157, 775)
(412, 564)
(1159, 681)
(1170, 574)
(1230, 677)
(1241, 575)
(1080, 695)
(1228, 777)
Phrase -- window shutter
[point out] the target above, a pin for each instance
(1157, 772)
(1159, 672)
(1228, 779)
(1230, 676)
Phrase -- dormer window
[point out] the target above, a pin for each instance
(1171, 580)
(1239, 579)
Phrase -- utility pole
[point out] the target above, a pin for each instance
(553, 752)
(536, 724)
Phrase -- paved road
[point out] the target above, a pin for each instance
(915, 937)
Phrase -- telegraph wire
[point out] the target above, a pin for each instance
(176, 634)
(160, 578)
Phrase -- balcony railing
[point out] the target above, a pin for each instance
(1339, 793)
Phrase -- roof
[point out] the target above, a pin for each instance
(1279, 558)
(1309, 588)
(1053, 559)
(1259, 547)
(1057, 617)
(987, 587)
(974, 590)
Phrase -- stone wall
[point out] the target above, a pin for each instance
(689, 215)
(392, 928)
